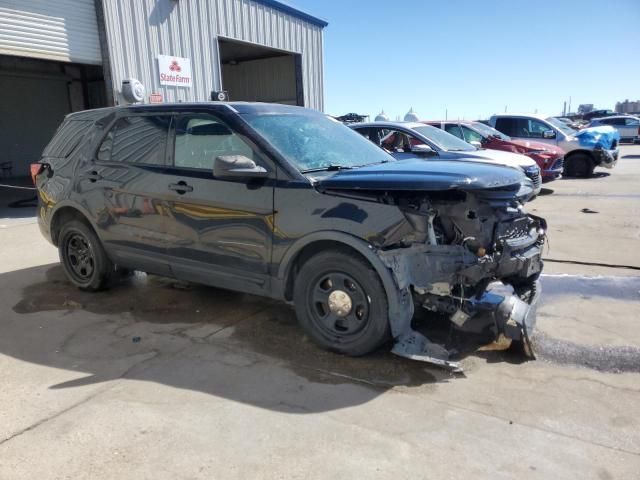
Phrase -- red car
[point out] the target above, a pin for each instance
(550, 159)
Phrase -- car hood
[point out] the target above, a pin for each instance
(508, 159)
(527, 146)
(420, 175)
(605, 137)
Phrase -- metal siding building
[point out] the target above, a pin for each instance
(139, 30)
(61, 56)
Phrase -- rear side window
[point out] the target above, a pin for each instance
(507, 126)
(632, 121)
(137, 140)
(67, 138)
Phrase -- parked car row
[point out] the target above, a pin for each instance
(417, 140)
(542, 147)
(288, 203)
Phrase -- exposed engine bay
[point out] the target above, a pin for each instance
(472, 257)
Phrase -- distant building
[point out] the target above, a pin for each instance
(382, 117)
(411, 116)
(585, 108)
(628, 107)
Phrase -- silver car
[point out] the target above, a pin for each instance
(627, 126)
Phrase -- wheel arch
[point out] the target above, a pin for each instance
(65, 212)
(399, 301)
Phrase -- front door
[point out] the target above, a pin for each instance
(219, 231)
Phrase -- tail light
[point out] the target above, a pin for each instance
(36, 169)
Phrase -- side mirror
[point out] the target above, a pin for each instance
(548, 134)
(476, 143)
(237, 166)
(422, 149)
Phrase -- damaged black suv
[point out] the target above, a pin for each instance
(287, 203)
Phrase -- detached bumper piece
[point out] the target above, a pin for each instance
(498, 312)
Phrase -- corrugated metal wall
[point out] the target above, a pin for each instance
(64, 30)
(139, 30)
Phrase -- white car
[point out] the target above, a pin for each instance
(412, 139)
(585, 149)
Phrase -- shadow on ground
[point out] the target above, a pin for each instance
(594, 176)
(227, 344)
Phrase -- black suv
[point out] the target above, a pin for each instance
(288, 203)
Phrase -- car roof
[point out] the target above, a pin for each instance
(614, 116)
(521, 115)
(461, 122)
(238, 107)
(388, 124)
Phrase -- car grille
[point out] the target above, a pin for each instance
(534, 176)
(512, 230)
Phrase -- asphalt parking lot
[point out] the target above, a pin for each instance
(154, 380)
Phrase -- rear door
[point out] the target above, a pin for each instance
(219, 231)
(123, 189)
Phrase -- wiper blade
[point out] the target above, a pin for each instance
(330, 168)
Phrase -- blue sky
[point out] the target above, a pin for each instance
(474, 57)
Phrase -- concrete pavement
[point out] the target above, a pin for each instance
(150, 381)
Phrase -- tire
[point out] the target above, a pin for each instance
(579, 165)
(83, 258)
(353, 331)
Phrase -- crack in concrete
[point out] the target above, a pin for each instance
(590, 264)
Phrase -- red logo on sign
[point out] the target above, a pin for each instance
(175, 66)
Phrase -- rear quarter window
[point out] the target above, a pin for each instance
(67, 138)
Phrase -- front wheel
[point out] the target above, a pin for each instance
(84, 260)
(579, 165)
(341, 304)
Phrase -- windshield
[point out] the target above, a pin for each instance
(563, 127)
(444, 140)
(487, 131)
(316, 142)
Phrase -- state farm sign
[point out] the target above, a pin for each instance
(174, 71)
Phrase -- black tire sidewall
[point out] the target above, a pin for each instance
(102, 264)
(579, 166)
(375, 332)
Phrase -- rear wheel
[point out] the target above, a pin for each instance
(84, 260)
(579, 165)
(341, 304)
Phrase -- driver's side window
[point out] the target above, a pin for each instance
(471, 135)
(396, 141)
(200, 138)
(536, 129)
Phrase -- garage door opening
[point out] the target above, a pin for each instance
(35, 96)
(259, 74)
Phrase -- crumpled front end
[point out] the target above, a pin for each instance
(476, 265)
(604, 142)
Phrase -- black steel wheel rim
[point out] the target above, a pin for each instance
(350, 316)
(79, 257)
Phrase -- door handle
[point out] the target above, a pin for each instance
(181, 187)
(93, 176)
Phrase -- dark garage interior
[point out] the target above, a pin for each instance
(260, 74)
